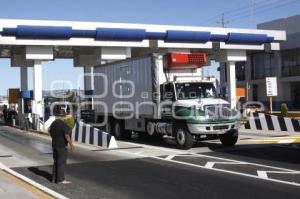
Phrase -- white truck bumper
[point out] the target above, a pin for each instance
(212, 129)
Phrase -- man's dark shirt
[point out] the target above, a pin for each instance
(58, 129)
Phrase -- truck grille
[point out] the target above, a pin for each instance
(224, 127)
(217, 112)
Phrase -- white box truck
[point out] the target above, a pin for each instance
(162, 95)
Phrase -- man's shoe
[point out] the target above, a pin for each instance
(65, 182)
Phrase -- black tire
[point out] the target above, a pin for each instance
(184, 139)
(119, 131)
(108, 127)
(229, 138)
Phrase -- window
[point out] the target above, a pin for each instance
(262, 65)
(169, 93)
(240, 68)
(290, 62)
(195, 90)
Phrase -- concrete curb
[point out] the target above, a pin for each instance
(33, 183)
(264, 133)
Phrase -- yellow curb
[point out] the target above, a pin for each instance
(26, 185)
(281, 140)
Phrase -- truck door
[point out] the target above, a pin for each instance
(168, 97)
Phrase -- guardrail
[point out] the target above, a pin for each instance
(87, 134)
(261, 121)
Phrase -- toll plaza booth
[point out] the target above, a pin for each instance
(25, 109)
(29, 43)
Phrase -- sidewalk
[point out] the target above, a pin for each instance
(11, 190)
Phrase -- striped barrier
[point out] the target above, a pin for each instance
(261, 121)
(87, 134)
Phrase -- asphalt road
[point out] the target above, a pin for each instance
(154, 169)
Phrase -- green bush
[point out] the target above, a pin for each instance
(69, 120)
(284, 110)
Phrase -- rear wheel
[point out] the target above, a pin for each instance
(108, 127)
(119, 131)
(150, 128)
(229, 138)
(184, 139)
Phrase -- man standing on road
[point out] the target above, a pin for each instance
(60, 133)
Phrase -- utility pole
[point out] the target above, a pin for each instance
(222, 21)
(251, 13)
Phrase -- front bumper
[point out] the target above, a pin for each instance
(212, 129)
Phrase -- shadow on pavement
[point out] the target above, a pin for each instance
(41, 173)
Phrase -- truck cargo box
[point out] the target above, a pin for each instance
(130, 87)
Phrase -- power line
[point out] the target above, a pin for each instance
(242, 10)
(254, 9)
(264, 10)
(266, 3)
(276, 4)
(222, 21)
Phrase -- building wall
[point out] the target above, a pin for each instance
(283, 64)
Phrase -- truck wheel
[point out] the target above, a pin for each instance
(108, 127)
(119, 131)
(150, 128)
(184, 139)
(229, 138)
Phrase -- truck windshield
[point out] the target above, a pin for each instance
(195, 90)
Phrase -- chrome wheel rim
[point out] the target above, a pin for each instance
(180, 137)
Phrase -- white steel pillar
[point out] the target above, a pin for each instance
(37, 87)
(88, 90)
(231, 84)
(23, 86)
(87, 78)
(23, 78)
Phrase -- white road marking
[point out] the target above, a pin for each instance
(170, 157)
(264, 174)
(244, 162)
(212, 164)
(210, 167)
(157, 148)
(230, 172)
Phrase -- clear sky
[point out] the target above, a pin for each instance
(238, 13)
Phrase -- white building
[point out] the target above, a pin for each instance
(283, 64)
(3, 101)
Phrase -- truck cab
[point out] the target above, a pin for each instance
(197, 112)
